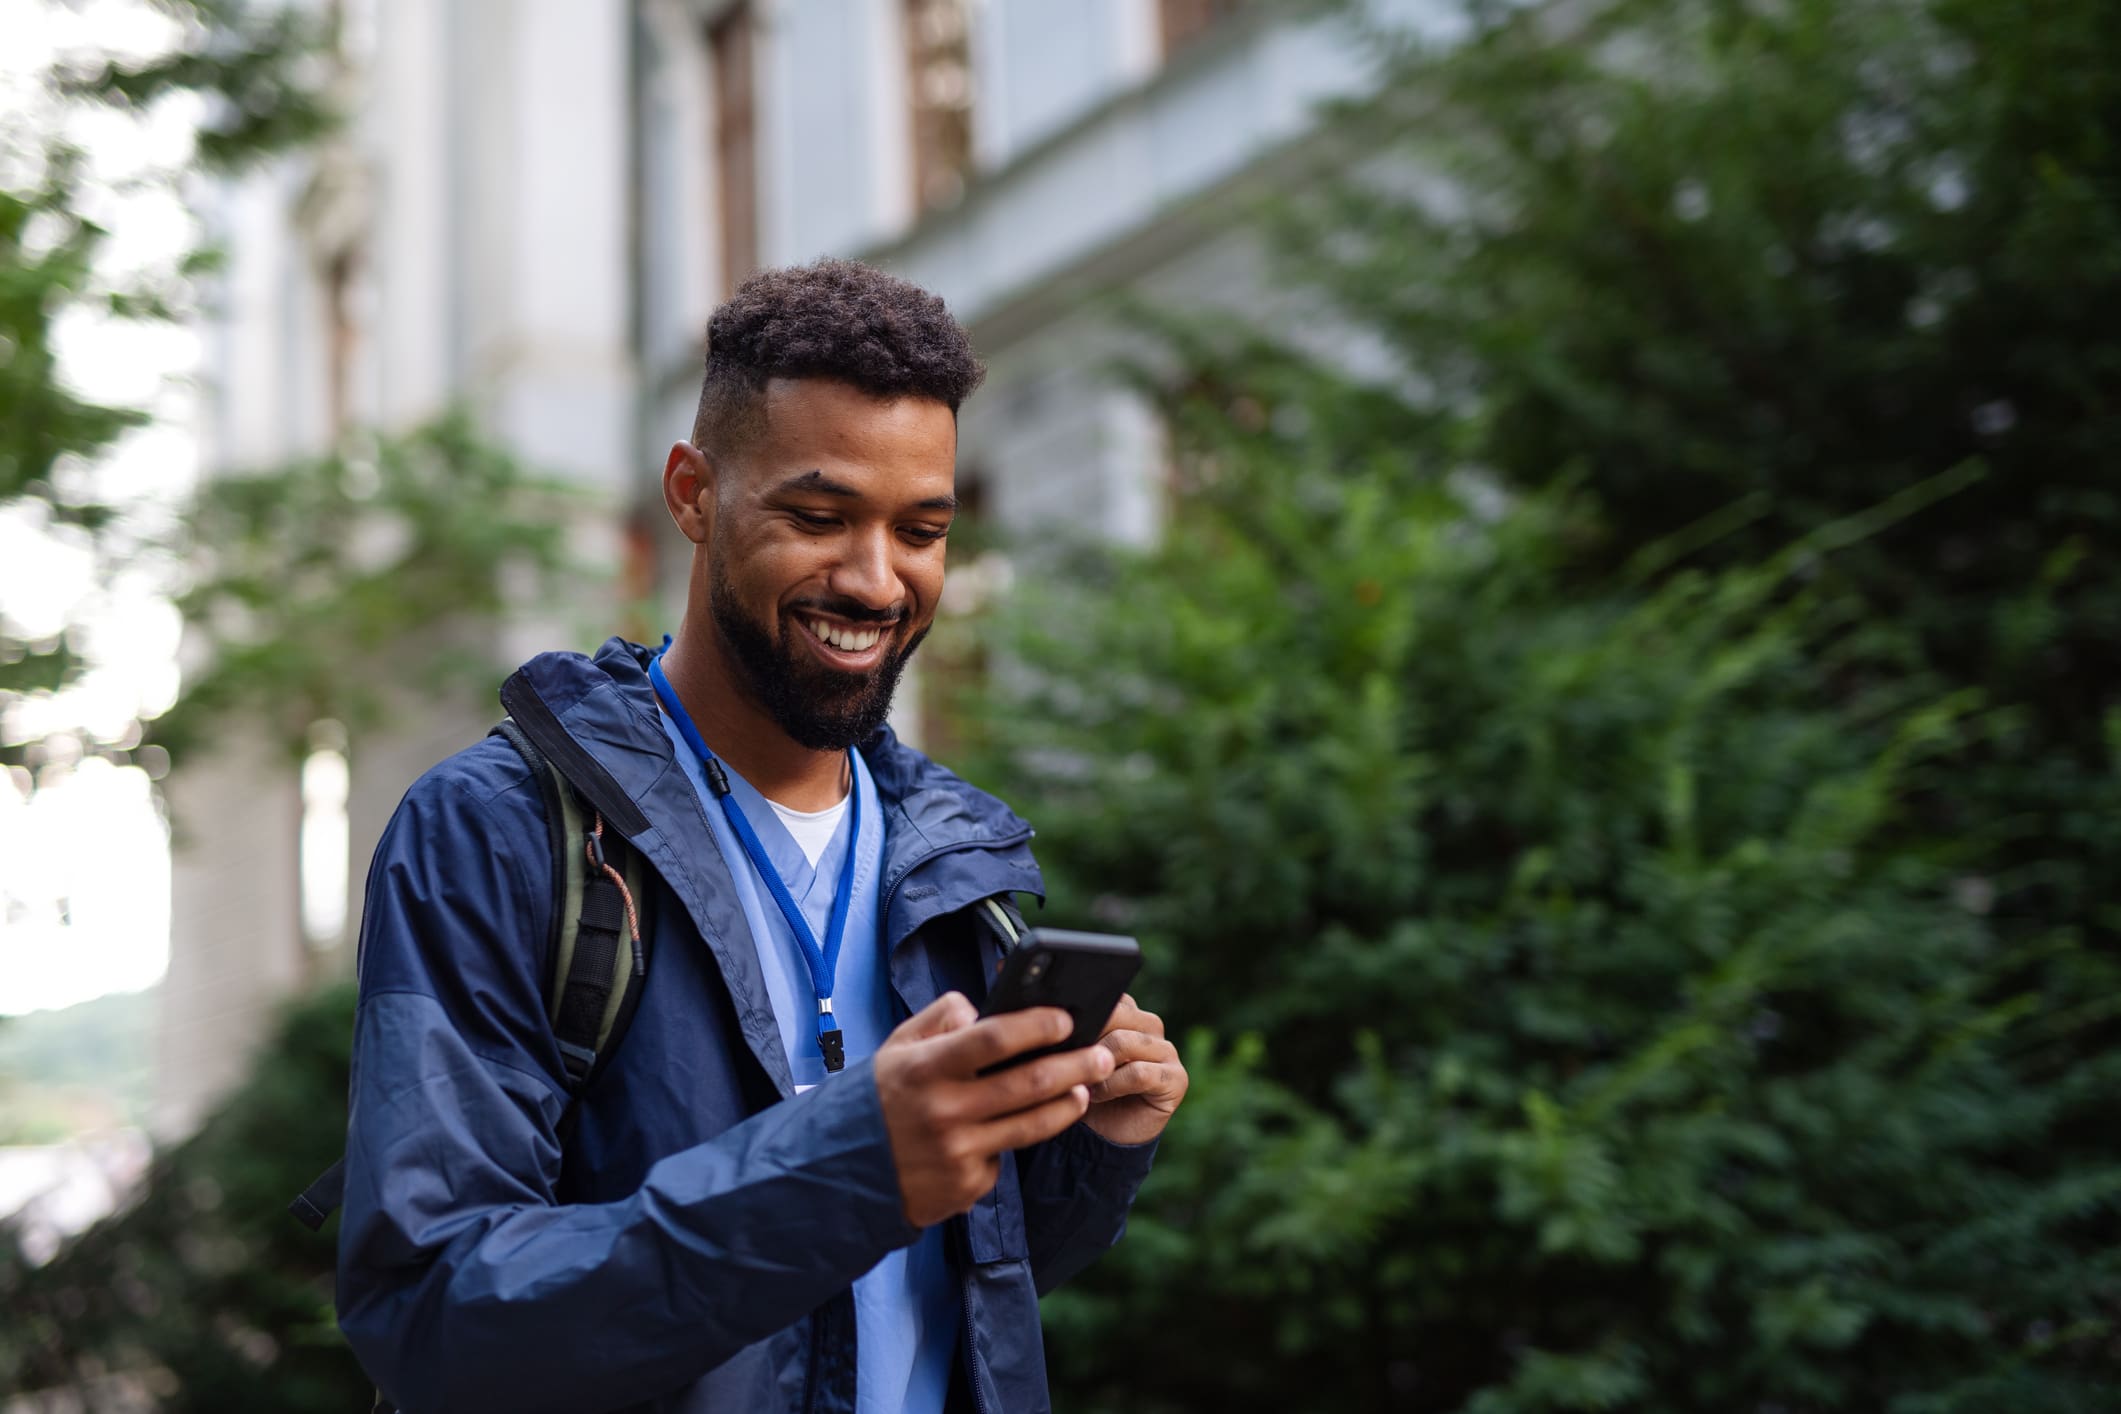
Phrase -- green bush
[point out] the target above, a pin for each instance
(1743, 267)
(205, 1295)
(1579, 1017)
(1625, 810)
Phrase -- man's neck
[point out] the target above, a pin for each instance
(736, 729)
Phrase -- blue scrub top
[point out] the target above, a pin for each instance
(906, 1305)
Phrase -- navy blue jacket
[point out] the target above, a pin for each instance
(692, 1245)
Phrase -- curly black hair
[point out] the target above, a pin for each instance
(836, 319)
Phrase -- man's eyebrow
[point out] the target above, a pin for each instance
(817, 482)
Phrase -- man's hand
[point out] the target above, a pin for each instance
(949, 1125)
(1148, 1081)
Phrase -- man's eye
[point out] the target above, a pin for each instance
(924, 534)
(815, 522)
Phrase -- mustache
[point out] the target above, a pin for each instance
(851, 611)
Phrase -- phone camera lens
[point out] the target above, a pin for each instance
(1036, 967)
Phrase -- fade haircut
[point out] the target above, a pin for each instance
(835, 319)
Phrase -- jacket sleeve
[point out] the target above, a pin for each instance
(463, 1282)
(1077, 1189)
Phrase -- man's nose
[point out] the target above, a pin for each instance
(866, 575)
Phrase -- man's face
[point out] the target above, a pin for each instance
(826, 555)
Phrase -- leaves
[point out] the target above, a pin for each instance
(1637, 783)
(328, 586)
(205, 1294)
(264, 74)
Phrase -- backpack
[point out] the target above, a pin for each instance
(599, 964)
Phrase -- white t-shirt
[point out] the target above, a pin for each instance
(812, 829)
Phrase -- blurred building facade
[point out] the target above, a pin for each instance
(536, 207)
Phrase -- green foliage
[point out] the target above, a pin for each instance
(1625, 813)
(263, 72)
(1770, 263)
(325, 586)
(266, 67)
(205, 1295)
(1577, 1021)
(47, 253)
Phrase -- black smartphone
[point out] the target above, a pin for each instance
(1082, 973)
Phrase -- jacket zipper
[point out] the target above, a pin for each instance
(817, 1353)
(979, 1395)
(972, 1369)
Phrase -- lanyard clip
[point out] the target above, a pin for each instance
(829, 1040)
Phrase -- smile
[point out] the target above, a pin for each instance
(847, 640)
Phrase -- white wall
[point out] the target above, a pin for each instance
(1124, 167)
(680, 234)
(554, 334)
(403, 122)
(833, 127)
(264, 395)
(236, 945)
(1040, 64)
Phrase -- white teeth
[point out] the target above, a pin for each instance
(845, 639)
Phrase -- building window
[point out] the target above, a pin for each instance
(1180, 22)
(939, 58)
(731, 53)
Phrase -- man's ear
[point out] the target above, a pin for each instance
(688, 490)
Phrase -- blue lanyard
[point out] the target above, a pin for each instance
(824, 961)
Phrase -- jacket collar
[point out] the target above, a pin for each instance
(609, 707)
(604, 709)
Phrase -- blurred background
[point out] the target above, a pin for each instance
(1557, 563)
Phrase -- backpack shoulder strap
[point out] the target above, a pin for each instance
(598, 947)
(1002, 921)
(599, 944)
(323, 1196)
(999, 928)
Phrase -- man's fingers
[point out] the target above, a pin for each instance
(1139, 1067)
(1137, 1046)
(1128, 1016)
(1037, 1081)
(1135, 1078)
(1035, 1125)
(997, 1038)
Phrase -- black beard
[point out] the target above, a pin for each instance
(821, 708)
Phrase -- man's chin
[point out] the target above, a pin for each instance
(820, 704)
(832, 708)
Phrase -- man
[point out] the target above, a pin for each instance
(790, 1188)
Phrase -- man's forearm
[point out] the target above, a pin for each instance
(461, 1287)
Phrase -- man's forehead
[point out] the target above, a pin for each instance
(821, 422)
(793, 395)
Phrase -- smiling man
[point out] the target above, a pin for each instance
(791, 1187)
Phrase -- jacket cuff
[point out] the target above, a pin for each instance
(1099, 1155)
(837, 1133)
